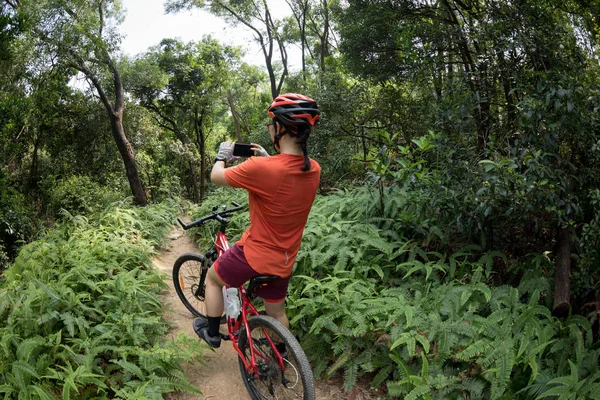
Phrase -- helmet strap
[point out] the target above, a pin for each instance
(278, 136)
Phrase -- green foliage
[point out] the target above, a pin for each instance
(81, 316)
(180, 85)
(368, 299)
(80, 195)
(238, 222)
(469, 132)
(16, 221)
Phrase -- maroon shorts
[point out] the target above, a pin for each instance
(234, 270)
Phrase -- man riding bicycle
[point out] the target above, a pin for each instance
(281, 191)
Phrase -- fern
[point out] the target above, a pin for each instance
(420, 391)
(383, 375)
(28, 346)
(169, 384)
(350, 375)
(571, 387)
(474, 350)
(81, 296)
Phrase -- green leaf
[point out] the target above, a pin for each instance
(418, 392)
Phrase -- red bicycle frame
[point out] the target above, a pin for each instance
(234, 325)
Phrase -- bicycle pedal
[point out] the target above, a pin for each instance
(225, 336)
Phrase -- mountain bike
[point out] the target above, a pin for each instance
(272, 362)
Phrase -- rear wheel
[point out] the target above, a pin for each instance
(295, 382)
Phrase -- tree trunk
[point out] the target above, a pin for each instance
(325, 37)
(135, 183)
(115, 114)
(33, 171)
(201, 143)
(303, 40)
(203, 175)
(482, 121)
(511, 110)
(196, 196)
(562, 304)
(236, 122)
(469, 54)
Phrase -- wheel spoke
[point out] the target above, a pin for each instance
(186, 279)
(294, 382)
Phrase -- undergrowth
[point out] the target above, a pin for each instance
(370, 302)
(238, 222)
(375, 296)
(81, 315)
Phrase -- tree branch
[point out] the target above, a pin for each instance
(267, 48)
(119, 91)
(13, 3)
(82, 67)
(361, 136)
(282, 50)
(243, 21)
(100, 13)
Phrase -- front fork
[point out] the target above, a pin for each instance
(208, 261)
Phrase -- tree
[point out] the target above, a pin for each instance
(255, 15)
(82, 35)
(313, 23)
(11, 26)
(496, 90)
(183, 85)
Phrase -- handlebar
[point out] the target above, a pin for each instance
(217, 215)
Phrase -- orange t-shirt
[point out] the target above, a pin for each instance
(280, 196)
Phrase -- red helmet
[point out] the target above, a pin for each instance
(295, 110)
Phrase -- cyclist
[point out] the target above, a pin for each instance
(281, 190)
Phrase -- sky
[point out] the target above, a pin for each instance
(146, 24)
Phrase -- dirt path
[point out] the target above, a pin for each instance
(220, 378)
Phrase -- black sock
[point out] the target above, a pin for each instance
(213, 325)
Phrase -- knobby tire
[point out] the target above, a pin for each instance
(296, 383)
(187, 276)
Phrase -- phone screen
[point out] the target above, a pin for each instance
(242, 150)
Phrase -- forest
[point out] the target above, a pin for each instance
(453, 250)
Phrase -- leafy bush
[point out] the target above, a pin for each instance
(16, 223)
(161, 178)
(79, 194)
(238, 222)
(399, 282)
(368, 298)
(81, 316)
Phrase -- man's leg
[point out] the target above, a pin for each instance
(277, 311)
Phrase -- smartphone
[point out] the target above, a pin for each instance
(242, 150)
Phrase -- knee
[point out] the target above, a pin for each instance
(213, 279)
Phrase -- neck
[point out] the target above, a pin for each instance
(288, 145)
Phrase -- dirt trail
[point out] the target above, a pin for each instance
(220, 378)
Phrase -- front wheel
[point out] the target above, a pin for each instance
(294, 382)
(189, 275)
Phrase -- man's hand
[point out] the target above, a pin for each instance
(259, 150)
(225, 152)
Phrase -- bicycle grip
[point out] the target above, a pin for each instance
(183, 224)
(233, 203)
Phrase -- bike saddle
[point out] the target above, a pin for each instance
(259, 281)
